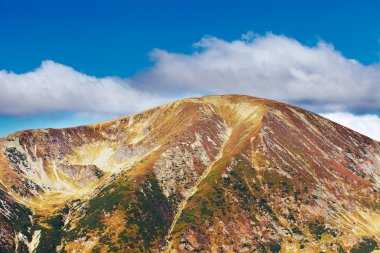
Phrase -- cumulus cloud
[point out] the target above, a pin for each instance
(316, 77)
(54, 87)
(366, 124)
(277, 67)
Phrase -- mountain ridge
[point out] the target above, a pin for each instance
(170, 172)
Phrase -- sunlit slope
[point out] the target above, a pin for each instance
(219, 173)
(301, 183)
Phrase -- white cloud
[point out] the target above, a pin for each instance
(54, 87)
(366, 124)
(276, 67)
(317, 77)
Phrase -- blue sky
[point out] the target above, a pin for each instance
(101, 39)
(106, 38)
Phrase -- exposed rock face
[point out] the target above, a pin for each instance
(212, 174)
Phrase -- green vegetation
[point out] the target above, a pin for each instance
(21, 248)
(51, 236)
(318, 228)
(23, 220)
(150, 213)
(296, 231)
(356, 172)
(274, 247)
(341, 250)
(367, 245)
(19, 222)
(98, 172)
(21, 215)
(145, 210)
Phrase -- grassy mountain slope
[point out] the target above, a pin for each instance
(213, 174)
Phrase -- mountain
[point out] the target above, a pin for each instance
(213, 174)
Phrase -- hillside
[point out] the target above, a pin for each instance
(213, 174)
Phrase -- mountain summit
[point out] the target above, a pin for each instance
(213, 174)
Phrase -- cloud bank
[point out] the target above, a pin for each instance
(366, 124)
(318, 78)
(271, 66)
(54, 87)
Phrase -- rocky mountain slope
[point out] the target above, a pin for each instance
(213, 174)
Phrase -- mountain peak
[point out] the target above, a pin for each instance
(243, 172)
